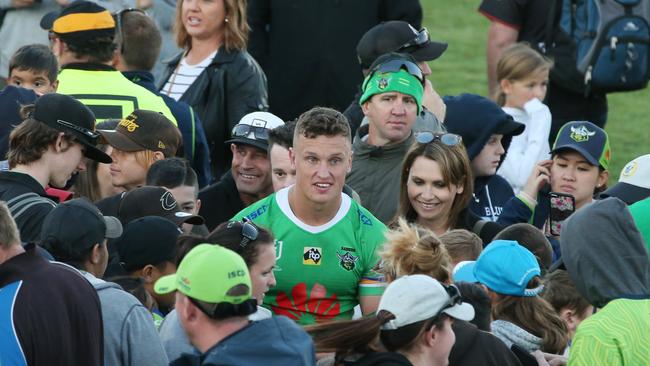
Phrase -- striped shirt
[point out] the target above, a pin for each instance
(184, 75)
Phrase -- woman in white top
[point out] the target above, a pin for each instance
(523, 78)
(214, 73)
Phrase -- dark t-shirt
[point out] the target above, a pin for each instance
(529, 17)
(220, 202)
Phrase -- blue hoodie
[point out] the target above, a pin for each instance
(476, 119)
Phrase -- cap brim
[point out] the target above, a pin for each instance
(119, 141)
(255, 143)
(181, 217)
(510, 128)
(583, 152)
(430, 52)
(165, 284)
(113, 227)
(95, 154)
(462, 311)
(465, 272)
(628, 193)
(47, 21)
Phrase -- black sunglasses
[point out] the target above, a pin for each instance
(249, 231)
(118, 21)
(82, 130)
(260, 133)
(421, 38)
(449, 139)
(395, 66)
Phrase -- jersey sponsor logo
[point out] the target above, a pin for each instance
(364, 219)
(347, 261)
(312, 256)
(257, 213)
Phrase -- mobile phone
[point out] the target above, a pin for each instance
(562, 206)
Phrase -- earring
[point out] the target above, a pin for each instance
(226, 20)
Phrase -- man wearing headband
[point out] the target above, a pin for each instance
(47, 148)
(81, 37)
(391, 100)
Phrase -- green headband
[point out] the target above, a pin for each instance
(401, 81)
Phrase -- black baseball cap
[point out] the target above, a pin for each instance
(66, 114)
(154, 201)
(144, 130)
(397, 36)
(77, 225)
(80, 18)
(147, 240)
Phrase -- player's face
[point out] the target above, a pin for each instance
(282, 174)
(321, 164)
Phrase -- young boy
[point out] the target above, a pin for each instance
(34, 67)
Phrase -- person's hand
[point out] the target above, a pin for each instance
(541, 175)
(544, 359)
(21, 3)
(432, 101)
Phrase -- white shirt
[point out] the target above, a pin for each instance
(184, 75)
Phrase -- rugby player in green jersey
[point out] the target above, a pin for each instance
(326, 243)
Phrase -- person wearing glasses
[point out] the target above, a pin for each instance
(412, 326)
(82, 36)
(400, 36)
(214, 302)
(249, 179)
(326, 242)
(392, 99)
(47, 148)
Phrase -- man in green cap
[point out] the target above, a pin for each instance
(213, 301)
(391, 100)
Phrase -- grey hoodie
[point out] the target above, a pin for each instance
(130, 337)
(605, 254)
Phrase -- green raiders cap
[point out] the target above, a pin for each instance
(587, 139)
(210, 273)
(401, 81)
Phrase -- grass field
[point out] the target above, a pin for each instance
(462, 69)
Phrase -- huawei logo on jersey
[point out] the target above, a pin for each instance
(168, 202)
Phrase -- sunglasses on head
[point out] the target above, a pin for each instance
(260, 133)
(395, 66)
(249, 231)
(449, 139)
(421, 38)
(118, 20)
(82, 130)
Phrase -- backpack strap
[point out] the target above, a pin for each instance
(19, 204)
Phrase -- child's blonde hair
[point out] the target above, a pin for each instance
(518, 61)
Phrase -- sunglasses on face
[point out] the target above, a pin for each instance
(449, 139)
(421, 38)
(395, 66)
(118, 21)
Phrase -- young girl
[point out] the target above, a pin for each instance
(523, 77)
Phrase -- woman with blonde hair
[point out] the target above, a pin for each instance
(214, 73)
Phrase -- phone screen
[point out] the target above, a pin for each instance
(562, 206)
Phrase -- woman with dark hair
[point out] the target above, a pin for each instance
(255, 245)
(215, 74)
(412, 326)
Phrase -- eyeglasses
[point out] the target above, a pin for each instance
(82, 130)
(260, 133)
(421, 38)
(249, 231)
(449, 139)
(395, 66)
(118, 21)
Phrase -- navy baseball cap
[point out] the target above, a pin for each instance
(147, 240)
(586, 138)
(506, 267)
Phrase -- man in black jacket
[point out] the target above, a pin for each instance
(306, 48)
(249, 179)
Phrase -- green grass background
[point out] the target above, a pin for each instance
(462, 69)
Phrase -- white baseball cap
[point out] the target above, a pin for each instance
(253, 129)
(633, 183)
(418, 297)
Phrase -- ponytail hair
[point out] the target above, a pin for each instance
(517, 62)
(410, 249)
(536, 316)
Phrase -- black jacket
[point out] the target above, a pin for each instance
(380, 358)
(232, 86)
(28, 203)
(220, 202)
(476, 347)
(308, 47)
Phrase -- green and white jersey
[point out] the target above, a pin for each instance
(321, 270)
